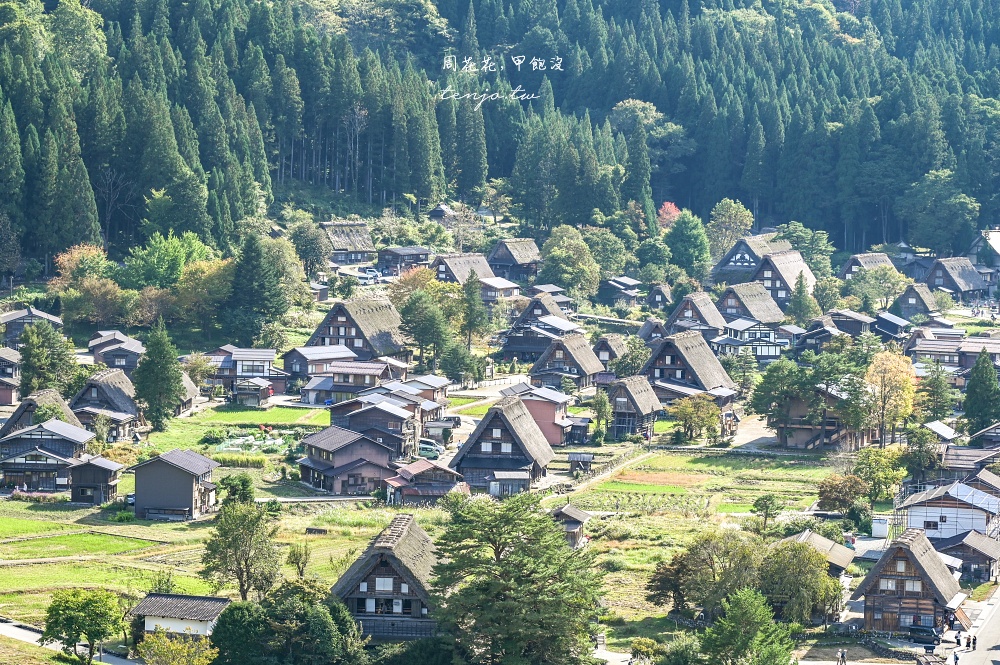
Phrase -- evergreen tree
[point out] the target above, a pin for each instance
(258, 298)
(424, 322)
(637, 173)
(476, 318)
(802, 307)
(936, 398)
(158, 383)
(47, 360)
(982, 395)
(11, 167)
(689, 245)
(471, 151)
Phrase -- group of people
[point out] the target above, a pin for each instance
(841, 656)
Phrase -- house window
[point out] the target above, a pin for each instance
(383, 584)
(368, 379)
(359, 608)
(363, 587)
(559, 354)
(487, 446)
(370, 605)
(341, 318)
(767, 283)
(658, 297)
(86, 491)
(253, 368)
(404, 588)
(930, 526)
(358, 342)
(497, 433)
(900, 566)
(767, 273)
(667, 360)
(912, 301)
(914, 585)
(679, 374)
(688, 313)
(907, 620)
(782, 294)
(505, 446)
(942, 519)
(887, 584)
(93, 392)
(877, 616)
(603, 355)
(537, 311)
(342, 331)
(119, 361)
(397, 605)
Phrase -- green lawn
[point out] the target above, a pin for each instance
(279, 415)
(577, 410)
(663, 426)
(72, 544)
(456, 402)
(22, 653)
(186, 433)
(478, 410)
(14, 527)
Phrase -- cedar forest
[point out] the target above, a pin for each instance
(872, 120)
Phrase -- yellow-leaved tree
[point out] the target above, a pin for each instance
(892, 379)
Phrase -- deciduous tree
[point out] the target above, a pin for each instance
(78, 616)
(241, 550)
(730, 220)
(568, 262)
(837, 492)
(795, 576)
(891, 376)
(880, 468)
(159, 648)
(689, 245)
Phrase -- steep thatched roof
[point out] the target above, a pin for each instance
(922, 293)
(756, 300)
(23, 415)
(789, 265)
(961, 271)
(542, 301)
(662, 289)
(515, 415)
(576, 349)
(702, 304)
(835, 553)
(692, 348)
(650, 326)
(523, 250)
(615, 343)
(867, 261)
(766, 243)
(349, 235)
(640, 392)
(926, 560)
(114, 389)
(376, 319)
(408, 549)
(463, 265)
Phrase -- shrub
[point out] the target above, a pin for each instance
(614, 563)
(33, 269)
(294, 475)
(214, 436)
(273, 507)
(125, 516)
(240, 461)
(38, 497)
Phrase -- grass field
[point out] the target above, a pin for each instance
(187, 432)
(22, 653)
(13, 527)
(476, 411)
(72, 544)
(458, 402)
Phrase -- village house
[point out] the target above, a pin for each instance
(948, 510)
(368, 327)
(910, 586)
(568, 357)
(659, 297)
(387, 590)
(397, 260)
(254, 392)
(970, 348)
(430, 386)
(748, 333)
(549, 410)
(740, 263)
(929, 345)
(557, 293)
(94, 480)
(977, 553)
(892, 328)
(944, 433)
(573, 520)
(189, 394)
(40, 457)
(304, 362)
(820, 331)
(24, 414)
(621, 291)
(836, 555)
(506, 453)
(10, 376)
(109, 393)
(610, 347)
(340, 461)
(959, 462)
(344, 380)
(405, 397)
(868, 261)
(682, 365)
(456, 268)
(175, 485)
(957, 277)
(749, 301)
(853, 323)
(540, 322)
(320, 291)
(816, 421)
(916, 301)
(116, 349)
(515, 258)
(697, 312)
(779, 271)
(634, 407)
(497, 288)
(179, 615)
(651, 330)
(985, 249)
(984, 480)
(382, 421)
(234, 364)
(351, 242)
(788, 334)
(422, 482)
(16, 321)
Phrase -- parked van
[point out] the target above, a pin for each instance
(925, 635)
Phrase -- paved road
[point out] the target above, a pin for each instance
(988, 642)
(12, 631)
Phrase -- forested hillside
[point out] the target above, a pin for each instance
(870, 119)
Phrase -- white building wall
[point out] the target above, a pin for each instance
(950, 521)
(179, 626)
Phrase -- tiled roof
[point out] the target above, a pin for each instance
(175, 606)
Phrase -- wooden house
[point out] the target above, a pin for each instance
(573, 520)
(985, 249)
(497, 288)
(739, 263)
(959, 462)
(186, 401)
(610, 347)
(868, 261)
(748, 334)
(430, 386)
(697, 312)
(344, 380)
(567, 357)
(929, 345)
(94, 480)
(116, 350)
(836, 555)
(24, 414)
(948, 510)
(978, 554)
(456, 268)
(820, 331)
(548, 408)
(383, 421)
(621, 291)
(970, 348)
(652, 329)
(10, 376)
(387, 590)
(540, 322)
(659, 297)
(40, 457)
(515, 258)
(984, 480)
(911, 586)
(916, 301)
(179, 615)
(853, 323)
(779, 271)
(892, 328)
(422, 482)
(351, 242)
(304, 362)
(175, 485)
(749, 301)
(253, 392)
(634, 407)
(368, 327)
(507, 451)
(16, 321)
(340, 461)
(815, 421)
(557, 293)
(959, 278)
(397, 260)
(109, 393)
(234, 365)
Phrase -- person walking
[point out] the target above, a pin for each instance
(840, 656)
(843, 658)
(968, 642)
(973, 642)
